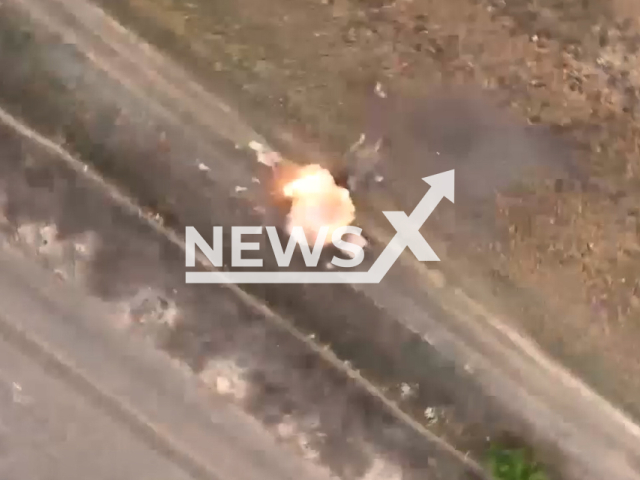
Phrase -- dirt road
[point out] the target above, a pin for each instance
(303, 74)
(83, 399)
(564, 72)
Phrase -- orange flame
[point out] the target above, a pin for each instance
(317, 202)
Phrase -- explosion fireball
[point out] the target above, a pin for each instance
(317, 202)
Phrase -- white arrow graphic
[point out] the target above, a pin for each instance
(408, 228)
(407, 235)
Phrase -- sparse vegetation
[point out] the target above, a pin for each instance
(513, 464)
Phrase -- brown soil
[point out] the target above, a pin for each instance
(496, 92)
(310, 67)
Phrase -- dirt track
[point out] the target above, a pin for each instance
(568, 68)
(300, 76)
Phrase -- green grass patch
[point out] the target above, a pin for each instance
(513, 464)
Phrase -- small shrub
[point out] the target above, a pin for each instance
(513, 464)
